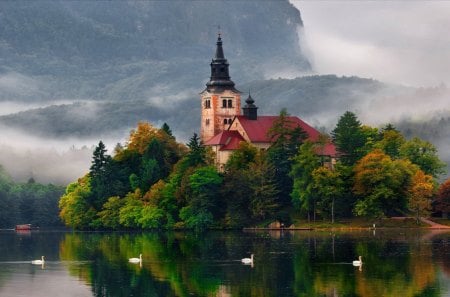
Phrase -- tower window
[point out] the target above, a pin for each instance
(207, 103)
(224, 103)
(207, 122)
(230, 103)
(225, 121)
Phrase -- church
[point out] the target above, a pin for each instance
(223, 126)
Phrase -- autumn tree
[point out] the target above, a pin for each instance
(442, 202)
(381, 184)
(420, 193)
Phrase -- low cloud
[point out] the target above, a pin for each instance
(393, 41)
(58, 161)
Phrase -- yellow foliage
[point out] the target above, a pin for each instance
(141, 137)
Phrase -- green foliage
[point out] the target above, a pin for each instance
(349, 138)
(286, 137)
(75, 210)
(130, 213)
(304, 163)
(264, 202)
(203, 204)
(423, 154)
(329, 188)
(100, 172)
(152, 217)
(391, 142)
(109, 216)
(382, 184)
(242, 157)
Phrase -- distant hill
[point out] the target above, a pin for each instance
(308, 97)
(135, 50)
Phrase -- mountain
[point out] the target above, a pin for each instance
(136, 50)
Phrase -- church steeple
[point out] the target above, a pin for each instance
(250, 109)
(220, 77)
(220, 101)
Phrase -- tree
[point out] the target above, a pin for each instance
(381, 184)
(100, 176)
(349, 138)
(242, 157)
(75, 210)
(263, 186)
(286, 137)
(391, 142)
(203, 205)
(423, 154)
(329, 188)
(109, 216)
(167, 129)
(304, 163)
(197, 155)
(131, 212)
(442, 203)
(420, 193)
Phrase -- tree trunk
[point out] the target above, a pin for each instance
(332, 211)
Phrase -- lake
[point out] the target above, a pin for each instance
(396, 263)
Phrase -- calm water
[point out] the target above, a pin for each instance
(396, 263)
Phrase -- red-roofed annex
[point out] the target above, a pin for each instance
(222, 125)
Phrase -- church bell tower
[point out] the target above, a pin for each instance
(220, 101)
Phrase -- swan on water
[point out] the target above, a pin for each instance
(358, 262)
(248, 260)
(38, 262)
(136, 260)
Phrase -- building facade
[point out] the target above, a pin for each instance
(223, 127)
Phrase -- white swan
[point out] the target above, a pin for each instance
(248, 260)
(38, 262)
(358, 262)
(136, 260)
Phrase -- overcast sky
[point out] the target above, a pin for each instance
(405, 42)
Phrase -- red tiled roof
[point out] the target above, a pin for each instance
(228, 140)
(257, 129)
(328, 149)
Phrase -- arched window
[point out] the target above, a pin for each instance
(224, 103)
(225, 121)
(230, 103)
(207, 103)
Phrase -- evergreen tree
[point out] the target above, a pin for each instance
(100, 176)
(349, 138)
(286, 137)
(167, 129)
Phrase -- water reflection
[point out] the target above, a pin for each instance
(396, 263)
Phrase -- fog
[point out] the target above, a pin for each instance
(393, 41)
(47, 160)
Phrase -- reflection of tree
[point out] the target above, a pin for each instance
(294, 264)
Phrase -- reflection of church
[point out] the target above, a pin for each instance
(223, 126)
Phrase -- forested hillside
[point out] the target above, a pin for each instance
(28, 203)
(135, 50)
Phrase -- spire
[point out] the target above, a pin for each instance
(219, 50)
(220, 77)
(250, 109)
